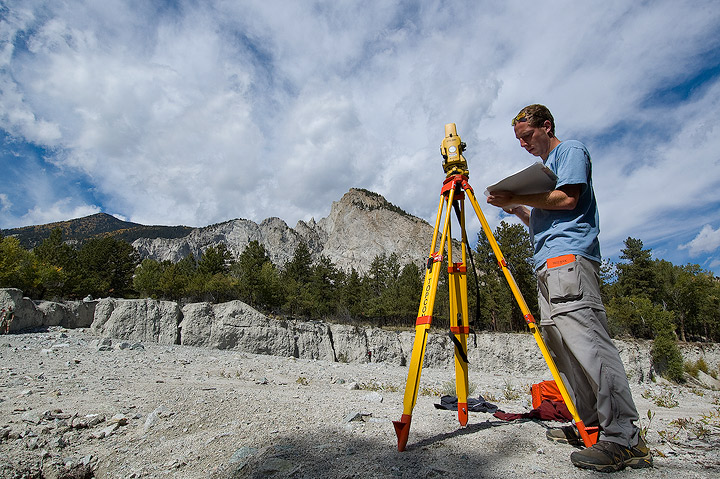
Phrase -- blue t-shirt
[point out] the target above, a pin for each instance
(559, 232)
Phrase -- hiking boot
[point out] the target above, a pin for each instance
(606, 456)
(564, 435)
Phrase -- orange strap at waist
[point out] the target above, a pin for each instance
(560, 260)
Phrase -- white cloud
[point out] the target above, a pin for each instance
(61, 210)
(655, 188)
(707, 241)
(194, 113)
(5, 203)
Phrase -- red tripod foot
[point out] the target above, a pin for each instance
(402, 429)
(589, 435)
(463, 413)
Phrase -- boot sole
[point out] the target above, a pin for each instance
(634, 463)
(640, 462)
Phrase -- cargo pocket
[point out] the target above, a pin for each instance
(564, 283)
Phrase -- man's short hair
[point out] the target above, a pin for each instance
(535, 115)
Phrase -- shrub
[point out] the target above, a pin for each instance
(666, 357)
(693, 369)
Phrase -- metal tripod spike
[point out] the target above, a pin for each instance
(454, 190)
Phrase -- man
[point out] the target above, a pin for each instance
(564, 228)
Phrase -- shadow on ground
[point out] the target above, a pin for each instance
(346, 456)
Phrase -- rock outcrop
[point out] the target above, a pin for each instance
(29, 314)
(363, 225)
(359, 227)
(138, 320)
(237, 326)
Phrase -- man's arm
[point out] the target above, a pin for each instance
(564, 198)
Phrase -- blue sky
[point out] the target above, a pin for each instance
(194, 113)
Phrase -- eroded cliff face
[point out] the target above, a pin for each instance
(361, 226)
(237, 326)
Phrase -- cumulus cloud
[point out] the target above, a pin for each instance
(194, 113)
(66, 208)
(707, 241)
(5, 203)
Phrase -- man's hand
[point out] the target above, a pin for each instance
(501, 199)
(509, 203)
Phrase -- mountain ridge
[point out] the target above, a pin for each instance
(87, 227)
(360, 226)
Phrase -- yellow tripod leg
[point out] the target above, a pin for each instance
(459, 329)
(422, 326)
(588, 434)
(459, 324)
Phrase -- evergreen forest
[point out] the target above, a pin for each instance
(645, 298)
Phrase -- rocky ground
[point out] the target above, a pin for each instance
(75, 406)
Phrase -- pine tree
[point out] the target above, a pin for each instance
(106, 267)
(499, 309)
(637, 277)
(249, 273)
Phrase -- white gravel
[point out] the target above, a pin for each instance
(70, 410)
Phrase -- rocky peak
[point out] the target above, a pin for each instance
(367, 201)
(364, 199)
(361, 226)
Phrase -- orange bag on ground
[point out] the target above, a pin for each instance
(545, 390)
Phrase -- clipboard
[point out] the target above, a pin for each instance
(536, 178)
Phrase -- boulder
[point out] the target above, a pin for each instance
(350, 343)
(311, 340)
(55, 314)
(83, 314)
(26, 313)
(138, 320)
(235, 325)
(196, 324)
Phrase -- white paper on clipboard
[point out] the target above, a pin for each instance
(536, 178)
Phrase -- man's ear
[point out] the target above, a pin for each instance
(548, 127)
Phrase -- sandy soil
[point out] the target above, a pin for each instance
(69, 409)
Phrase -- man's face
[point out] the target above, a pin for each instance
(535, 140)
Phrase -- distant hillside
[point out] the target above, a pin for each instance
(361, 226)
(99, 224)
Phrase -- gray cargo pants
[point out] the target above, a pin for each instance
(574, 326)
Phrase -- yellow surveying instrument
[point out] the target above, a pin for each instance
(454, 189)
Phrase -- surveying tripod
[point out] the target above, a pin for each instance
(454, 189)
